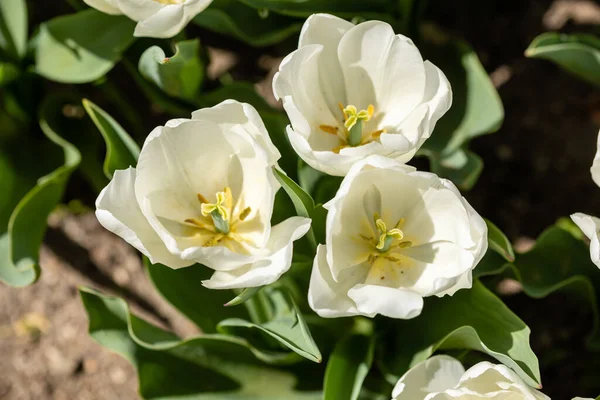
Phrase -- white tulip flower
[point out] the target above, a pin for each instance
(353, 91)
(393, 236)
(595, 169)
(155, 18)
(590, 226)
(203, 192)
(444, 378)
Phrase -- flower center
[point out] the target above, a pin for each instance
(353, 122)
(167, 2)
(220, 211)
(217, 218)
(388, 241)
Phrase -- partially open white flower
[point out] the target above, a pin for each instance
(595, 169)
(155, 18)
(394, 236)
(590, 226)
(444, 378)
(352, 91)
(203, 192)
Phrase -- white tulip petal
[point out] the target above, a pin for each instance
(393, 303)
(231, 113)
(437, 374)
(118, 211)
(271, 267)
(595, 170)
(327, 30)
(298, 84)
(327, 297)
(590, 226)
(165, 23)
(106, 6)
(443, 378)
(382, 69)
(139, 10)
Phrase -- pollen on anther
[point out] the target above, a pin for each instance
(244, 214)
(201, 198)
(329, 129)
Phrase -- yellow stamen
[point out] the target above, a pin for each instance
(197, 223)
(244, 214)
(329, 129)
(202, 199)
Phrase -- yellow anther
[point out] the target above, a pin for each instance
(202, 199)
(221, 206)
(197, 223)
(244, 214)
(329, 129)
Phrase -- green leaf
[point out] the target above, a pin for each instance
(472, 319)
(476, 106)
(303, 203)
(476, 110)
(287, 325)
(348, 367)
(8, 73)
(559, 261)
(343, 8)
(235, 19)
(463, 167)
(121, 150)
(243, 297)
(82, 47)
(183, 289)
(208, 367)
(13, 27)
(498, 242)
(178, 76)
(19, 247)
(578, 54)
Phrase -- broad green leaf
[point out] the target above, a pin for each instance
(13, 27)
(559, 261)
(80, 48)
(472, 319)
(343, 8)
(183, 289)
(498, 241)
(348, 367)
(462, 167)
(121, 150)
(178, 76)
(208, 367)
(19, 248)
(476, 106)
(476, 110)
(286, 325)
(579, 53)
(237, 20)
